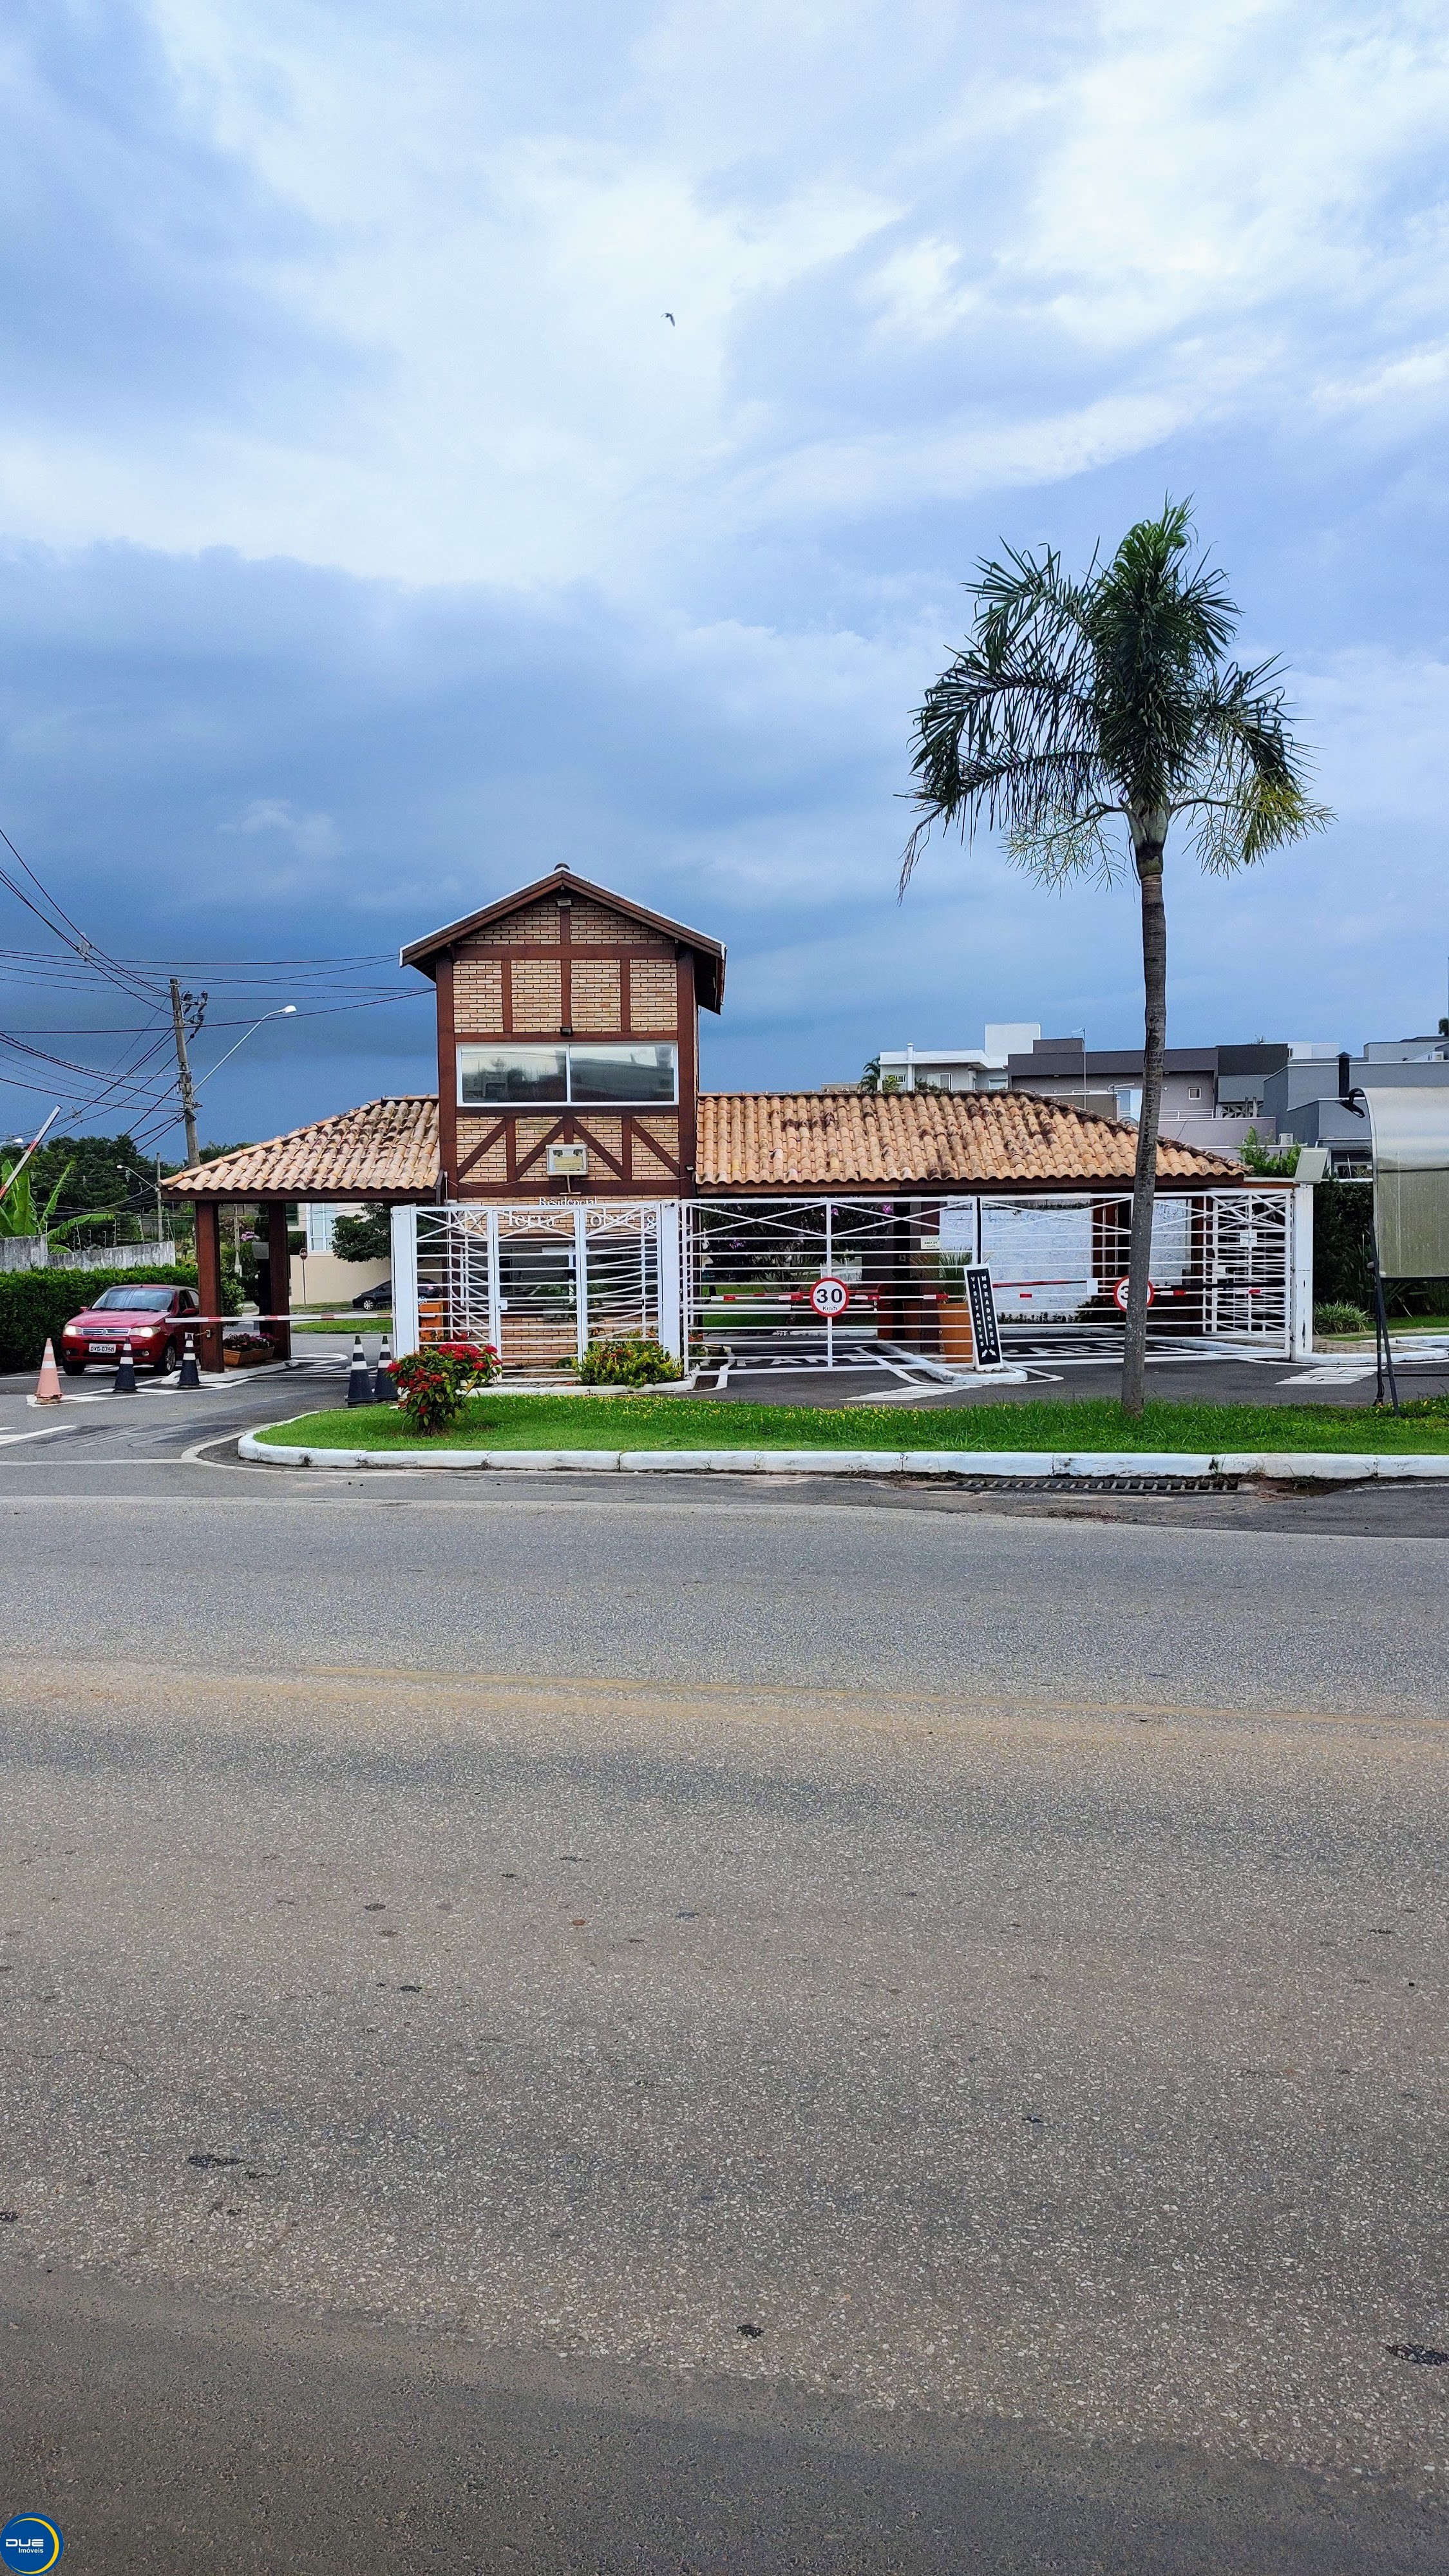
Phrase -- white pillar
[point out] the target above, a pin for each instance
(671, 1280)
(404, 1281)
(581, 1279)
(495, 1285)
(1300, 1276)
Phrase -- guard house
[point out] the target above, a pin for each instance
(568, 1044)
(570, 1181)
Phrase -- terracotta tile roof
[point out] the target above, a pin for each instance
(748, 1140)
(387, 1149)
(1004, 1139)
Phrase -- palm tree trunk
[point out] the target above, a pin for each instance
(1144, 1186)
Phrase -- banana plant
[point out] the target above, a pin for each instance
(18, 1211)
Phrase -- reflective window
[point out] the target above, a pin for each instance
(622, 1073)
(511, 1074)
(516, 1076)
(132, 1301)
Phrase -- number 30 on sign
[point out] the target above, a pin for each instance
(830, 1297)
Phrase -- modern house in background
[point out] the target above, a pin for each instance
(1212, 1095)
(1311, 1104)
(1288, 1091)
(570, 1179)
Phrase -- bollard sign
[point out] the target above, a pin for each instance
(830, 1297)
(985, 1332)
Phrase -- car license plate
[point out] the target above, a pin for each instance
(100, 1350)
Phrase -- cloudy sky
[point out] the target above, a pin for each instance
(370, 541)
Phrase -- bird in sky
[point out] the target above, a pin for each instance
(669, 318)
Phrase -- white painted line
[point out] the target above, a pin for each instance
(1332, 1375)
(8, 1439)
(1342, 1466)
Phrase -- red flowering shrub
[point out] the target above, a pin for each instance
(432, 1383)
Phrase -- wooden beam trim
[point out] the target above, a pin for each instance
(654, 1145)
(486, 1147)
(585, 1138)
(525, 1162)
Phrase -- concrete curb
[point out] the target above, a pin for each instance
(1338, 1467)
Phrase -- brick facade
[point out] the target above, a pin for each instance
(478, 996)
(653, 995)
(567, 963)
(595, 985)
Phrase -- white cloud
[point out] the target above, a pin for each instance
(1116, 222)
(312, 836)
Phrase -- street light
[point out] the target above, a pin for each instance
(287, 1012)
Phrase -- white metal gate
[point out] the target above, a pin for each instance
(1228, 1268)
(539, 1282)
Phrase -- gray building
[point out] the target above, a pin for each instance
(1310, 1109)
(1211, 1095)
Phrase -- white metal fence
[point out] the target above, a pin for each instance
(1231, 1268)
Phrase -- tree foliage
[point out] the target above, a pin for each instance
(1086, 716)
(364, 1238)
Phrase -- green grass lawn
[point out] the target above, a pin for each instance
(502, 1421)
(360, 1324)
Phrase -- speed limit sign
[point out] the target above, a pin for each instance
(829, 1297)
(1119, 1293)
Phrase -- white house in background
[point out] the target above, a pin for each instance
(982, 1068)
(318, 1277)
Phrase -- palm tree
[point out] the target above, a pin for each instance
(1076, 702)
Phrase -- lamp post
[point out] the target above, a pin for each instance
(288, 1011)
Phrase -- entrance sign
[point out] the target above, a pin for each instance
(985, 1331)
(1120, 1293)
(830, 1297)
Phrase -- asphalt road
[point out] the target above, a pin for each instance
(550, 2028)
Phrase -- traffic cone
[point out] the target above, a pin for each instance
(384, 1388)
(48, 1390)
(190, 1373)
(359, 1386)
(125, 1379)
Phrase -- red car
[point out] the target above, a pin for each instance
(150, 1318)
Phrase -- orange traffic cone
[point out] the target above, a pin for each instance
(48, 1391)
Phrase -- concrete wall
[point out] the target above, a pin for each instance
(323, 1280)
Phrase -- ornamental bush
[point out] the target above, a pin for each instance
(432, 1383)
(1341, 1319)
(629, 1359)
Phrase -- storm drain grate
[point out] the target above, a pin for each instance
(1096, 1484)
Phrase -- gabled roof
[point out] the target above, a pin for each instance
(966, 1139)
(423, 953)
(387, 1149)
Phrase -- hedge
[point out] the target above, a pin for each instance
(36, 1305)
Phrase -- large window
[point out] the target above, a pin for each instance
(516, 1076)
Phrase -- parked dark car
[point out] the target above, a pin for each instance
(150, 1318)
(374, 1300)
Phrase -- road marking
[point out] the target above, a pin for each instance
(1333, 1375)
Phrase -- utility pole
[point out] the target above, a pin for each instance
(183, 1074)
